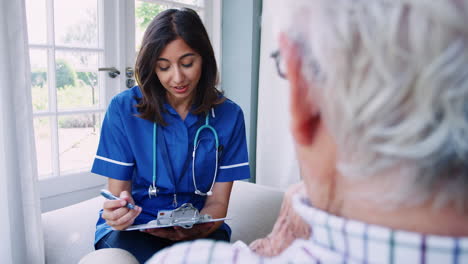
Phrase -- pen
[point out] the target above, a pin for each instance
(110, 196)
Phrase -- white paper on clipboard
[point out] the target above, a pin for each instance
(154, 224)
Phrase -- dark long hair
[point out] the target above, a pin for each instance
(166, 27)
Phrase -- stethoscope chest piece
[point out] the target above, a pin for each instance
(152, 191)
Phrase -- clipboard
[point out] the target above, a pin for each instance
(155, 224)
(186, 216)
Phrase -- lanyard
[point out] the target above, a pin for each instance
(152, 190)
(170, 169)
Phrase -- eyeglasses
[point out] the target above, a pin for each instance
(280, 66)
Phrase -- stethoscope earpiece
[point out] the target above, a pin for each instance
(198, 192)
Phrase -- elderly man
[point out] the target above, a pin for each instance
(379, 106)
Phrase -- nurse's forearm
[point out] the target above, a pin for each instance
(216, 210)
(118, 186)
(216, 205)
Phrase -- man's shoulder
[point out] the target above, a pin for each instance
(209, 251)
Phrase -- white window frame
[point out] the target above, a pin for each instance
(62, 190)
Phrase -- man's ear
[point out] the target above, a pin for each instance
(305, 117)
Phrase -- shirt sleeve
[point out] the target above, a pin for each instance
(114, 156)
(234, 161)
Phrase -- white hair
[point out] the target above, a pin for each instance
(392, 76)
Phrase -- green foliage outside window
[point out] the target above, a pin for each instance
(88, 78)
(64, 74)
(145, 12)
(39, 78)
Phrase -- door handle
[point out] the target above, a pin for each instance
(129, 72)
(112, 71)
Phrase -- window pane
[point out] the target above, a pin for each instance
(76, 23)
(191, 2)
(144, 14)
(40, 91)
(78, 141)
(43, 146)
(36, 15)
(76, 79)
(201, 14)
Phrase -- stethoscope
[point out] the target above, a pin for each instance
(153, 190)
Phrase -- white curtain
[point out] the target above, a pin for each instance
(276, 160)
(20, 219)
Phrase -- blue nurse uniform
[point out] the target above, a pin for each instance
(125, 153)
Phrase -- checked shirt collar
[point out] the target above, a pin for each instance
(358, 242)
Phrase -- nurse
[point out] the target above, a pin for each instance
(171, 140)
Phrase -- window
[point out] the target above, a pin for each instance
(65, 52)
(66, 48)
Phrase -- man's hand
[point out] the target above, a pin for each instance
(288, 227)
(178, 233)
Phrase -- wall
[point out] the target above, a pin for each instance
(240, 62)
(276, 160)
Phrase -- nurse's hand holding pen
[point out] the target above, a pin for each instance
(117, 214)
